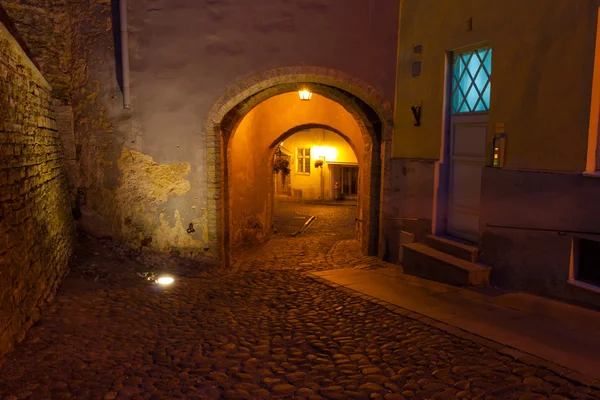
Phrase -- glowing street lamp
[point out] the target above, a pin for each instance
(304, 94)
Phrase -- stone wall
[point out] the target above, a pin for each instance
(528, 222)
(44, 27)
(186, 58)
(64, 125)
(36, 225)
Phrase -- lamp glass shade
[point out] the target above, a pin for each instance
(304, 94)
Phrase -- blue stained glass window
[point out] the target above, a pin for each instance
(471, 74)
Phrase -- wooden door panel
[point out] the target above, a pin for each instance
(470, 140)
(469, 137)
(466, 188)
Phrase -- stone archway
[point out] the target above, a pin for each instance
(372, 113)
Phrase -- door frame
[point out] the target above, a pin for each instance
(347, 168)
(442, 168)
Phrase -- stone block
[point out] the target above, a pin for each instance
(426, 262)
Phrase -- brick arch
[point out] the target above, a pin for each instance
(372, 113)
(254, 83)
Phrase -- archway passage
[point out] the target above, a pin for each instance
(315, 174)
(253, 117)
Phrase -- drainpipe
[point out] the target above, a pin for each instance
(124, 53)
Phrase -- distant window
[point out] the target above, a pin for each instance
(471, 85)
(588, 270)
(303, 161)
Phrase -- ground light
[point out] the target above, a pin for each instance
(165, 280)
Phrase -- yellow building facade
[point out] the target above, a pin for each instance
(320, 161)
(495, 141)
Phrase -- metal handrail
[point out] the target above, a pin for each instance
(561, 232)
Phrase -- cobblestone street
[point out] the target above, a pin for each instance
(331, 219)
(259, 330)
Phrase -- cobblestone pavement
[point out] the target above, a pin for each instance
(346, 254)
(260, 330)
(331, 220)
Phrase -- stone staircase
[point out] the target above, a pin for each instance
(445, 260)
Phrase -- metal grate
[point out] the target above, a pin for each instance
(471, 85)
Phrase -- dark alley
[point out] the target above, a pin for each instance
(300, 199)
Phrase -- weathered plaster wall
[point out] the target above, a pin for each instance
(184, 56)
(36, 225)
(537, 261)
(310, 184)
(251, 149)
(543, 53)
(117, 190)
(145, 185)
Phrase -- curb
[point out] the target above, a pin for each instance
(516, 354)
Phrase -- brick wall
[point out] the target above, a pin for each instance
(36, 224)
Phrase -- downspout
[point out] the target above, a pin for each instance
(124, 53)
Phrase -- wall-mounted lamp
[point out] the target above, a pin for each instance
(304, 94)
(324, 153)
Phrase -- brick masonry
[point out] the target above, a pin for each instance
(36, 224)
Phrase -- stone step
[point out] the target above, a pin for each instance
(426, 262)
(453, 247)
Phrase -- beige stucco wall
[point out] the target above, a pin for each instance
(253, 144)
(543, 53)
(310, 184)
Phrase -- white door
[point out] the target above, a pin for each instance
(468, 157)
(469, 126)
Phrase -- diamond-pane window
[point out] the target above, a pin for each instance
(471, 74)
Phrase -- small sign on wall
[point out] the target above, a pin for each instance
(416, 68)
